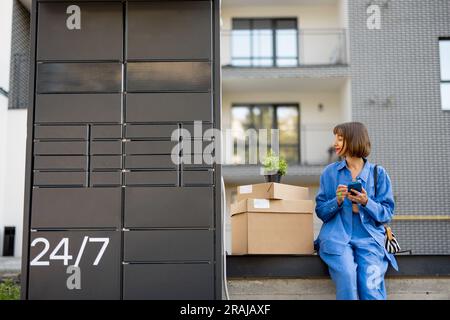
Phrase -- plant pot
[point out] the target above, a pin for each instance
(273, 177)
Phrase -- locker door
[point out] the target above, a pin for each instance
(181, 30)
(80, 31)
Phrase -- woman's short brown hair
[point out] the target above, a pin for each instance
(356, 138)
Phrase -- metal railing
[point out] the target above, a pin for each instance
(283, 48)
(314, 147)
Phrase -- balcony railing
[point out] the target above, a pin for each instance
(315, 147)
(283, 48)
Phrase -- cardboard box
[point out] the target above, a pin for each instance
(272, 190)
(267, 205)
(260, 231)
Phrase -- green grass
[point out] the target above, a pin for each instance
(9, 290)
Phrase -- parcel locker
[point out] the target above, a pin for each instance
(111, 210)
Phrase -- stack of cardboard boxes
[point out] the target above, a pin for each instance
(272, 218)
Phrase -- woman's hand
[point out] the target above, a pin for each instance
(358, 197)
(341, 193)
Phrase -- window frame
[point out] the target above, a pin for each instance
(274, 107)
(442, 81)
(273, 28)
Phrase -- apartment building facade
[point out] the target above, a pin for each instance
(384, 63)
(303, 66)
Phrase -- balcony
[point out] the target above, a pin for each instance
(283, 48)
(305, 167)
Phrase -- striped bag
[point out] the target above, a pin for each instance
(390, 241)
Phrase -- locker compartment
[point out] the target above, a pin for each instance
(90, 108)
(168, 245)
(184, 281)
(204, 127)
(134, 131)
(198, 177)
(142, 107)
(60, 148)
(106, 132)
(190, 161)
(99, 36)
(60, 179)
(149, 162)
(76, 208)
(202, 165)
(60, 162)
(106, 179)
(99, 280)
(150, 147)
(79, 77)
(187, 20)
(106, 147)
(169, 207)
(168, 76)
(61, 132)
(197, 146)
(106, 162)
(169, 178)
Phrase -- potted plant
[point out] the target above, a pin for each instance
(274, 167)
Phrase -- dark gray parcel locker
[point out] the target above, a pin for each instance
(108, 214)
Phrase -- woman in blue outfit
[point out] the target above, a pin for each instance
(351, 240)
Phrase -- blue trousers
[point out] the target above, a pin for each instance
(359, 272)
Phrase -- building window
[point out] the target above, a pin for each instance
(284, 117)
(264, 42)
(444, 52)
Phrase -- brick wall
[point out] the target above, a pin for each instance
(20, 57)
(396, 92)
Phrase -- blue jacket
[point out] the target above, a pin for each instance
(335, 233)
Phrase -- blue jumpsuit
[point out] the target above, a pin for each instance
(352, 244)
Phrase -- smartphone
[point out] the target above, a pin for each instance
(354, 185)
